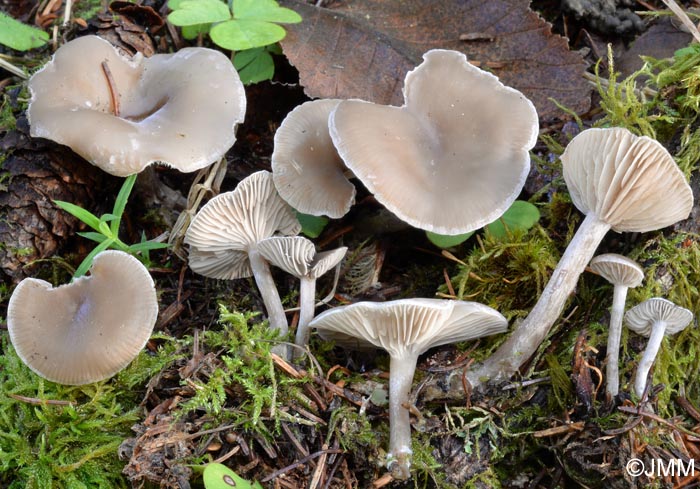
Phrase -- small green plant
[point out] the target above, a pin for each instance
(248, 27)
(21, 37)
(106, 228)
(218, 476)
(520, 216)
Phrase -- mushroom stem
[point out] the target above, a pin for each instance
(268, 291)
(658, 329)
(307, 307)
(400, 381)
(612, 375)
(529, 334)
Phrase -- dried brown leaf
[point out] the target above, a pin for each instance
(363, 48)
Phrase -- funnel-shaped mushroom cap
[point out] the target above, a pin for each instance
(642, 316)
(231, 223)
(453, 157)
(306, 168)
(408, 325)
(88, 330)
(618, 270)
(177, 109)
(297, 256)
(627, 181)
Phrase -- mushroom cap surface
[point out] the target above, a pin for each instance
(231, 223)
(88, 330)
(618, 269)
(297, 256)
(642, 316)
(630, 182)
(306, 168)
(453, 157)
(407, 326)
(178, 109)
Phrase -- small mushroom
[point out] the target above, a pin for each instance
(297, 256)
(620, 181)
(406, 329)
(654, 318)
(306, 168)
(122, 114)
(225, 233)
(623, 273)
(453, 158)
(88, 330)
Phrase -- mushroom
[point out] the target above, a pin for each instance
(88, 330)
(306, 168)
(620, 181)
(297, 256)
(623, 273)
(122, 113)
(654, 318)
(225, 233)
(453, 158)
(406, 329)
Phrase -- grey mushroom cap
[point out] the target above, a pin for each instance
(88, 330)
(453, 158)
(231, 223)
(306, 168)
(642, 316)
(297, 256)
(617, 176)
(180, 109)
(618, 270)
(408, 325)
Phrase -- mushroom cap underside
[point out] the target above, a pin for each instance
(642, 317)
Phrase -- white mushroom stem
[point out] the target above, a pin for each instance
(529, 334)
(268, 291)
(307, 307)
(401, 374)
(612, 375)
(658, 330)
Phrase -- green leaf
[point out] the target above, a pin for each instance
(22, 37)
(238, 35)
(87, 262)
(521, 216)
(312, 226)
(218, 476)
(104, 229)
(99, 237)
(254, 65)
(194, 12)
(190, 32)
(264, 10)
(108, 217)
(446, 241)
(78, 212)
(147, 246)
(120, 202)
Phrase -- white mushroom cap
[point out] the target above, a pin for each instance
(407, 325)
(618, 270)
(642, 316)
(617, 176)
(297, 256)
(178, 109)
(453, 157)
(88, 330)
(231, 223)
(306, 168)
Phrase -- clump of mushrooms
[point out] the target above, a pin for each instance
(124, 113)
(88, 330)
(453, 157)
(225, 233)
(620, 181)
(623, 273)
(297, 256)
(406, 329)
(654, 318)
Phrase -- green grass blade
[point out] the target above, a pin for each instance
(79, 213)
(87, 262)
(99, 237)
(120, 203)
